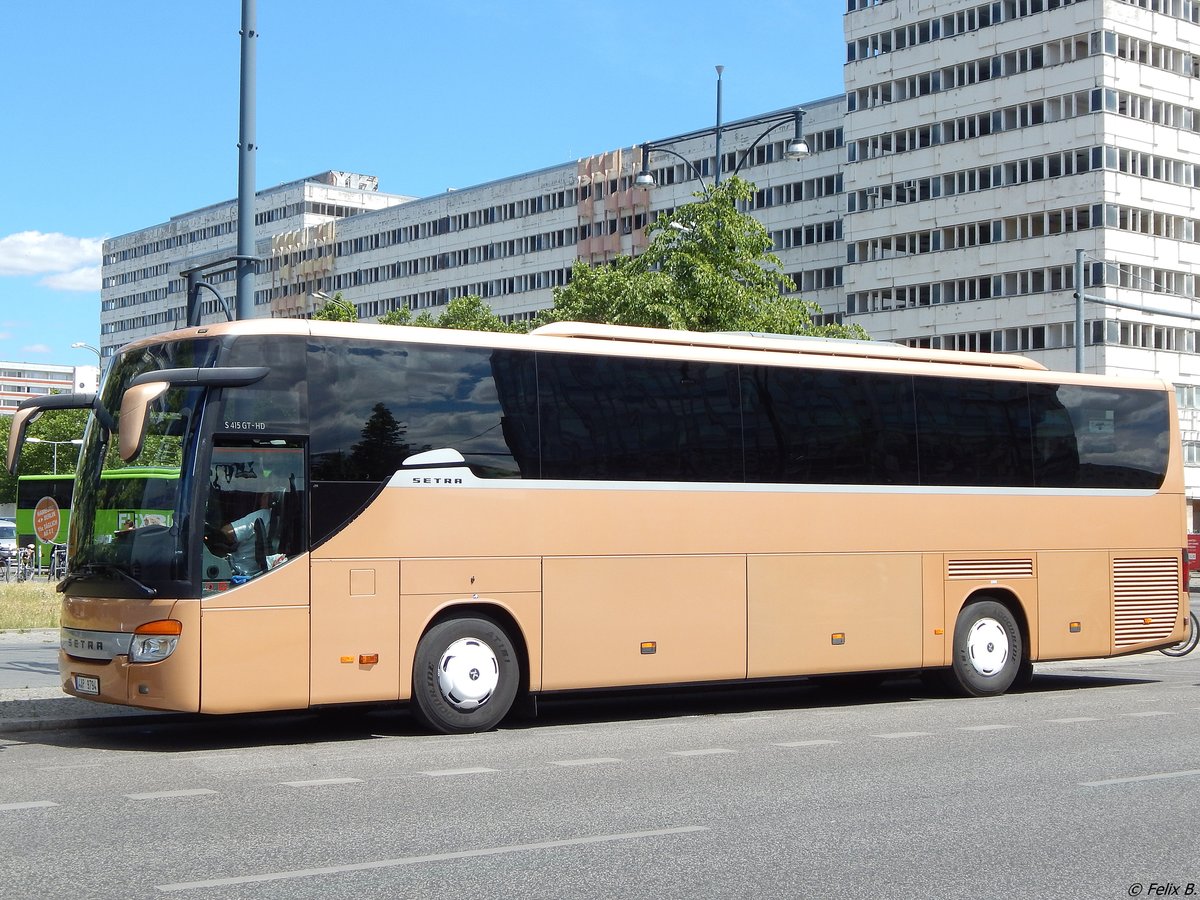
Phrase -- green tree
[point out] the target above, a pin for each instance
(468, 313)
(708, 267)
(337, 309)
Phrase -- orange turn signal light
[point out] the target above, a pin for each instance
(649, 647)
(162, 626)
(838, 638)
(347, 659)
(368, 659)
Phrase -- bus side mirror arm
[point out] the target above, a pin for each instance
(149, 386)
(30, 409)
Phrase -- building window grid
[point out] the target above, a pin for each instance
(951, 25)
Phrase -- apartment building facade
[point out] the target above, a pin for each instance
(21, 380)
(977, 148)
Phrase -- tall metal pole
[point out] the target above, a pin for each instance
(717, 171)
(1079, 297)
(244, 304)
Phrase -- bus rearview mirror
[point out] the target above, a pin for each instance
(135, 413)
(16, 435)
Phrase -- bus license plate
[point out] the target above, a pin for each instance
(86, 684)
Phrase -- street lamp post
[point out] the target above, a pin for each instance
(80, 345)
(54, 444)
(717, 168)
(795, 149)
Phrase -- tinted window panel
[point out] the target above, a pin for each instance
(973, 432)
(277, 403)
(624, 419)
(1092, 437)
(375, 404)
(811, 426)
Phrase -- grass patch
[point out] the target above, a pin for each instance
(29, 604)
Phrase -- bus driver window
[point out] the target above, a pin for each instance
(253, 512)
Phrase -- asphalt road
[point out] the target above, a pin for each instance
(1084, 786)
(28, 659)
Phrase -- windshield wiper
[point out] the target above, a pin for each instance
(90, 570)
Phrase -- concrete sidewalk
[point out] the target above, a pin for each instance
(43, 706)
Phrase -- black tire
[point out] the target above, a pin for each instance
(988, 650)
(1024, 675)
(1188, 644)
(465, 676)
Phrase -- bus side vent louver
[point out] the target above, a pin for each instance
(989, 569)
(1145, 599)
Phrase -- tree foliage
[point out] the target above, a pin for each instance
(708, 267)
(468, 313)
(337, 309)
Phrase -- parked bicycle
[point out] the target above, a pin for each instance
(1188, 644)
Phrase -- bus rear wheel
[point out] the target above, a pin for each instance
(465, 676)
(988, 650)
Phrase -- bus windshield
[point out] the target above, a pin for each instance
(134, 530)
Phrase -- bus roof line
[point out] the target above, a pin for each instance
(789, 343)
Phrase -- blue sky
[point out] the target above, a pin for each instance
(121, 114)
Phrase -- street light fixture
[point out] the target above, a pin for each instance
(55, 444)
(795, 149)
(80, 345)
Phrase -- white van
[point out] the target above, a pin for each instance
(8, 536)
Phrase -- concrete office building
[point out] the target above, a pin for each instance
(977, 147)
(21, 380)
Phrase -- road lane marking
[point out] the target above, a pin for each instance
(317, 782)
(164, 795)
(595, 761)
(897, 735)
(1160, 776)
(32, 804)
(985, 727)
(432, 857)
(444, 773)
(708, 751)
(1148, 713)
(1073, 721)
(812, 743)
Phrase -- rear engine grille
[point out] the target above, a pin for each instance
(1145, 599)
(989, 569)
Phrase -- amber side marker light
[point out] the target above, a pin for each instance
(649, 647)
(838, 639)
(368, 659)
(162, 626)
(1076, 627)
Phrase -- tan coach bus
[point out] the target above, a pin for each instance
(376, 513)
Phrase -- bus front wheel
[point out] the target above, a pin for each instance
(465, 676)
(987, 649)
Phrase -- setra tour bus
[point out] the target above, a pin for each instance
(453, 519)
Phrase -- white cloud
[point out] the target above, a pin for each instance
(85, 279)
(37, 348)
(35, 253)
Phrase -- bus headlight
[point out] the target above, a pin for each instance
(154, 641)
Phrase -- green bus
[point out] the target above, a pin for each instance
(130, 498)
